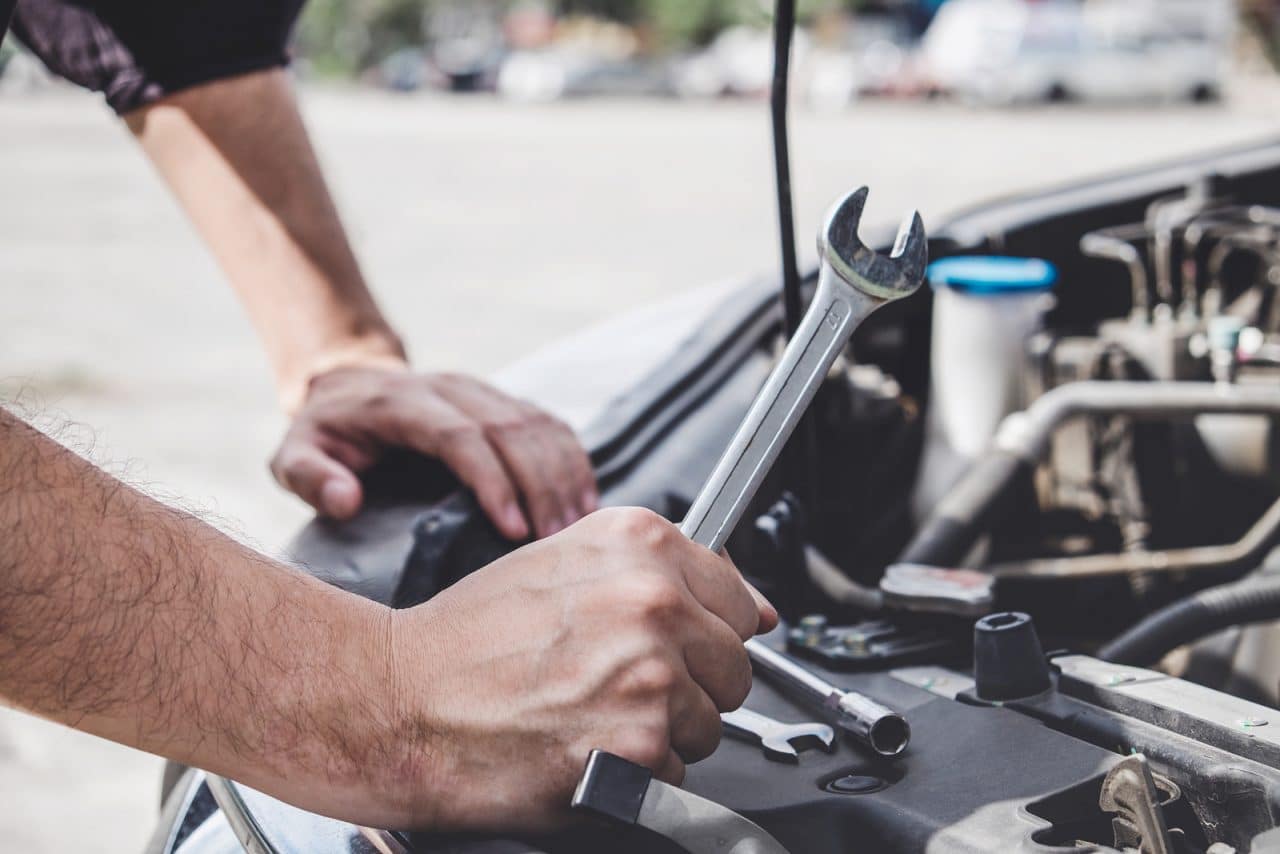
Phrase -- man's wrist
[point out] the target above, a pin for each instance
(383, 350)
(398, 761)
(353, 691)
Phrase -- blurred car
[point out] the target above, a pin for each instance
(466, 45)
(407, 70)
(571, 71)
(836, 62)
(738, 62)
(882, 47)
(831, 79)
(1006, 52)
(576, 56)
(873, 54)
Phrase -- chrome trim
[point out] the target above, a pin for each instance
(242, 823)
(174, 811)
(265, 825)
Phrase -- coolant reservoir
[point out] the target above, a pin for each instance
(984, 311)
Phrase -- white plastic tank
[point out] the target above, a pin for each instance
(985, 309)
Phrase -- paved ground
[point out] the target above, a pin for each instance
(487, 230)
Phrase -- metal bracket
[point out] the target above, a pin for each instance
(1130, 792)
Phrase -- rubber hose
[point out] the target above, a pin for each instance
(962, 517)
(833, 583)
(1253, 600)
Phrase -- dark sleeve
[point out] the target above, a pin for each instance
(136, 51)
(6, 11)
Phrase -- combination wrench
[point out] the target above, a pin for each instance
(853, 282)
(781, 742)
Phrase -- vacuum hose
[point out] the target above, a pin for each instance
(965, 513)
(1252, 600)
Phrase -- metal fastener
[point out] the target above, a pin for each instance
(812, 629)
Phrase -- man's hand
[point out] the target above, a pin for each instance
(618, 633)
(237, 156)
(477, 710)
(527, 469)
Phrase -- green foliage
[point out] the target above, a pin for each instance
(616, 10)
(682, 22)
(344, 36)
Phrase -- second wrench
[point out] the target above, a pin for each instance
(781, 742)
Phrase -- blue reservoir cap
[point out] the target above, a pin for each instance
(993, 275)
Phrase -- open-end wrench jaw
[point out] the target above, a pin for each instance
(843, 252)
(783, 748)
(781, 742)
(853, 282)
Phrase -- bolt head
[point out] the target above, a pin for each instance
(855, 642)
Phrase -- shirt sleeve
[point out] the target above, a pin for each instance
(6, 12)
(136, 51)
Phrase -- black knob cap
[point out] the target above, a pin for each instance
(1008, 662)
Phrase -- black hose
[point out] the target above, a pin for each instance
(1253, 600)
(800, 464)
(962, 517)
(784, 24)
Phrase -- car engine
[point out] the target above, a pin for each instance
(1035, 515)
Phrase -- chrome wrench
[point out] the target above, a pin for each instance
(781, 742)
(853, 282)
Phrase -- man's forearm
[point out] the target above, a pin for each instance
(237, 156)
(139, 623)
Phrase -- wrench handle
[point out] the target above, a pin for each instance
(802, 683)
(835, 312)
(877, 726)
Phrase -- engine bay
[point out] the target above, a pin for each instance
(1036, 523)
(1102, 504)
(1102, 464)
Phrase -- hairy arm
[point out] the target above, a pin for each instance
(136, 622)
(133, 621)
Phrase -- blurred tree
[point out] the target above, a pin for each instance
(678, 23)
(681, 23)
(628, 11)
(345, 36)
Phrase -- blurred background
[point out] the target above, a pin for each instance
(512, 172)
(993, 52)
